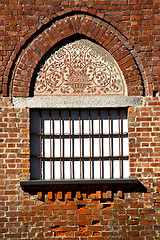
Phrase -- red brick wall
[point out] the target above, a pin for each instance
(133, 25)
(118, 43)
(72, 214)
(138, 21)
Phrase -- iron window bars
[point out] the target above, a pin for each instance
(79, 143)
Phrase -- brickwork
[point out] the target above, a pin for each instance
(111, 38)
(137, 21)
(129, 30)
(80, 215)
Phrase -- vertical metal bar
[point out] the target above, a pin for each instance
(53, 149)
(60, 137)
(50, 144)
(102, 145)
(90, 144)
(119, 136)
(80, 144)
(109, 142)
(40, 119)
(70, 140)
(122, 146)
(99, 140)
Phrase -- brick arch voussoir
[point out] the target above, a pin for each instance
(94, 28)
(124, 37)
(10, 68)
(127, 65)
(118, 46)
(33, 54)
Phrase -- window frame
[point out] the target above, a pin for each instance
(128, 184)
(91, 135)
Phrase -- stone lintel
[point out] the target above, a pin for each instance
(78, 102)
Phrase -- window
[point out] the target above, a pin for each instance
(79, 143)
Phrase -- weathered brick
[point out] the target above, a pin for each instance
(129, 30)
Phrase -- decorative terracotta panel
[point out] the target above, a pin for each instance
(80, 68)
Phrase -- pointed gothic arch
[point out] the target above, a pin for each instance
(86, 26)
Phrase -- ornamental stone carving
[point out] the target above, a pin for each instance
(79, 68)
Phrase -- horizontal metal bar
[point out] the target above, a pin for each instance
(83, 158)
(82, 134)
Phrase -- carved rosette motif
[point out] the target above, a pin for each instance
(80, 67)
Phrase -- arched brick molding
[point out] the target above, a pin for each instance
(93, 28)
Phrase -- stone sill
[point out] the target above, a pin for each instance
(115, 184)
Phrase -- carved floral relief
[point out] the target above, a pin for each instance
(82, 68)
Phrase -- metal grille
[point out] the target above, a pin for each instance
(79, 144)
